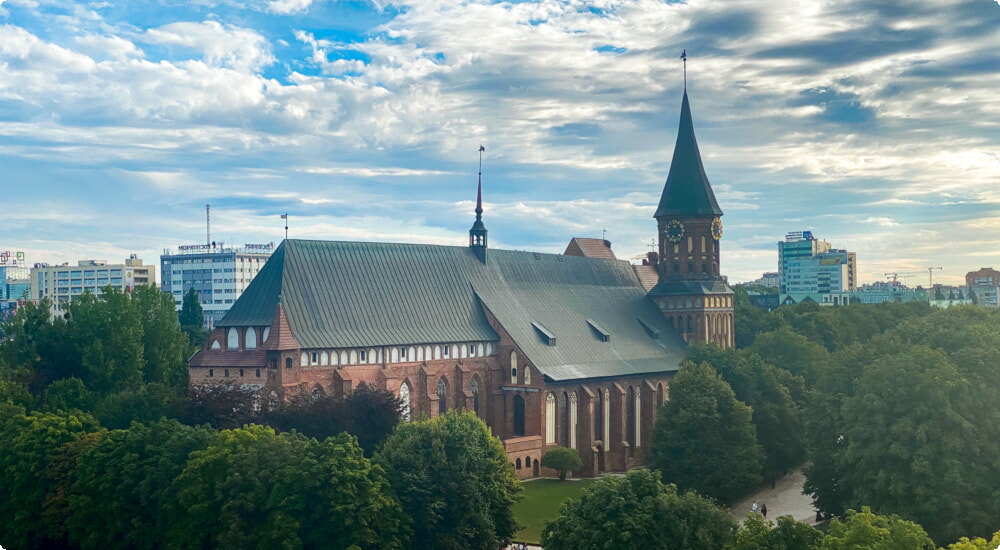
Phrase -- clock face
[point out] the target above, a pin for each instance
(716, 229)
(675, 230)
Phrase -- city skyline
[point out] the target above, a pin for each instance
(874, 125)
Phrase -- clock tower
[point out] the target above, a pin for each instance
(690, 291)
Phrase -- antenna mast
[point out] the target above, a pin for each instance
(208, 225)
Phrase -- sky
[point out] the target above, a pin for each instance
(873, 124)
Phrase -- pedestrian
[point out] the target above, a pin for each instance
(763, 510)
(753, 507)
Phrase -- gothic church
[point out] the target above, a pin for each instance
(573, 349)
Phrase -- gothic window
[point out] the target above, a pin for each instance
(258, 373)
(251, 338)
(404, 397)
(517, 464)
(599, 416)
(442, 391)
(638, 417)
(572, 420)
(304, 359)
(607, 416)
(564, 432)
(630, 423)
(288, 362)
(324, 358)
(447, 350)
(474, 386)
(527, 375)
(402, 354)
(550, 418)
(363, 355)
(216, 344)
(518, 416)
(232, 339)
(315, 358)
(513, 367)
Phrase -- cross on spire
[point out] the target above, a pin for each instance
(684, 58)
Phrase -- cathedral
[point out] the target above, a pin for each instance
(574, 349)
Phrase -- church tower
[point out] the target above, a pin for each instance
(477, 234)
(690, 291)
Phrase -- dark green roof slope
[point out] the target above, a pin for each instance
(349, 294)
(687, 191)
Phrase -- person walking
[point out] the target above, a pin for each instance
(753, 507)
(763, 510)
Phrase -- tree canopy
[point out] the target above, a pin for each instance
(454, 480)
(639, 511)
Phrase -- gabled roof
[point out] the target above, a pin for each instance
(590, 248)
(349, 294)
(687, 191)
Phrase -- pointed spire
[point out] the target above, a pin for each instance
(687, 191)
(478, 233)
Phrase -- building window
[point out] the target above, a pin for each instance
(251, 338)
(241, 373)
(550, 418)
(364, 356)
(233, 339)
(598, 416)
(518, 416)
(513, 367)
(517, 464)
(442, 393)
(211, 373)
(314, 358)
(474, 386)
(472, 350)
(527, 375)
(227, 373)
(402, 354)
(404, 397)
(288, 362)
(572, 420)
(304, 359)
(447, 350)
(258, 373)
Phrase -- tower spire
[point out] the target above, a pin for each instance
(477, 234)
(684, 58)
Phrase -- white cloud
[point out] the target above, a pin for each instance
(220, 45)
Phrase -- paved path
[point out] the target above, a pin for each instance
(785, 499)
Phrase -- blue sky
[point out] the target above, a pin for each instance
(874, 124)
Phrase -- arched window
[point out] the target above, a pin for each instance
(442, 393)
(572, 420)
(304, 359)
(288, 362)
(251, 338)
(517, 464)
(527, 375)
(637, 413)
(474, 386)
(267, 332)
(599, 416)
(527, 462)
(518, 416)
(232, 339)
(607, 416)
(324, 358)
(630, 419)
(513, 367)
(211, 373)
(258, 373)
(550, 418)
(564, 417)
(404, 397)
(216, 344)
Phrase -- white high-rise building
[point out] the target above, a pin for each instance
(61, 283)
(218, 273)
(811, 268)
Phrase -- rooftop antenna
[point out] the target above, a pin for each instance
(208, 225)
(684, 58)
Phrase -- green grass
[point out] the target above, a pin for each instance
(541, 502)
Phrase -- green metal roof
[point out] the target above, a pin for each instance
(687, 191)
(352, 294)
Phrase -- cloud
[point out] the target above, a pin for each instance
(219, 45)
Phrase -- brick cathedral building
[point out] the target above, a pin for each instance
(573, 349)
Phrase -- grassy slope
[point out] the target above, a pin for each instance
(541, 502)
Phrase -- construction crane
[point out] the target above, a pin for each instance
(930, 277)
(901, 274)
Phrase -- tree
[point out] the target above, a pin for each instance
(788, 350)
(638, 511)
(253, 488)
(164, 346)
(703, 438)
(192, 319)
(562, 460)
(223, 406)
(757, 532)
(453, 480)
(372, 415)
(36, 461)
(875, 532)
(976, 543)
(123, 484)
(107, 332)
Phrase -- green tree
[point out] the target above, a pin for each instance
(38, 349)
(192, 319)
(704, 439)
(372, 415)
(749, 320)
(253, 488)
(562, 460)
(975, 543)
(454, 480)
(68, 394)
(123, 484)
(757, 533)
(788, 350)
(638, 511)
(107, 331)
(875, 532)
(36, 461)
(164, 346)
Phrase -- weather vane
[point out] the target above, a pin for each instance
(684, 58)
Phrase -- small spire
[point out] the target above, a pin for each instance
(684, 58)
(479, 193)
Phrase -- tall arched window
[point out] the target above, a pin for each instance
(527, 375)
(442, 393)
(474, 386)
(572, 420)
(518, 416)
(513, 367)
(251, 338)
(550, 418)
(607, 416)
(232, 339)
(637, 413)
(599, 416)
(404, 397)
(630, 419)
(564, 432)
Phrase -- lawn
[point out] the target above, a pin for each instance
(541, 502)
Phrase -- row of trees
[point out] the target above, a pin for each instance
(68, 483)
